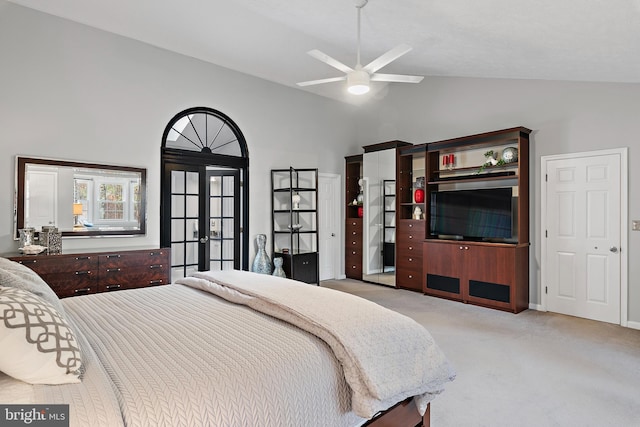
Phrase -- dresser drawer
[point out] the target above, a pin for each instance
(125, 260)
(131, 278)
(409, 278)
(71, 284)
(410, 262)
(410, 231)
(59, 263)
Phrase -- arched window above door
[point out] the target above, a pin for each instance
(205, 130)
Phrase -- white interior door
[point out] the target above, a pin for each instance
(582, 233)
(329, 228)
(42, 194)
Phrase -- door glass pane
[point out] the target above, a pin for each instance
(192, 182)
(177, 230)
(177, 206)
(227, 249)
(192, 230)
(192, 207)
(177, 182)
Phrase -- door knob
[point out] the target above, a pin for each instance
(613, 249)
(204, 239)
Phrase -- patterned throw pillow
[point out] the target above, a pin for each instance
(15, 275)
(38, 346)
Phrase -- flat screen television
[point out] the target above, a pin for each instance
(484, 214)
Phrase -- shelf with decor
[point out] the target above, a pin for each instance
(294, 222)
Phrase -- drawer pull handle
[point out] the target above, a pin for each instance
(113, 256)
(410, 259)
(80, 273)
(82, 291)
(29, 261)
(353, 253)
(353, 223)
(353, 232)
(410, 236)
(410, 225)
(79, 258)
(155, 253)
(410, 276)
(155, 282)
(155, 266)
(113, 287)
(353, 266)
(410, 248)
(112, 270)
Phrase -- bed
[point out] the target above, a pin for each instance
(224, 348)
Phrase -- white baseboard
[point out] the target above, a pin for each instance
(537, 307)
(633, 325)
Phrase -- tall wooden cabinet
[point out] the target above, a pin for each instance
(353, 218)
(489, 273)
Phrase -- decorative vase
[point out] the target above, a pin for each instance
(262, 262)
(278, 270)
(360, 211)
(418, 196)
(27, 236)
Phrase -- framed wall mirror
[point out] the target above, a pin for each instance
(80, 199)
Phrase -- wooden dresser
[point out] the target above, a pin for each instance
(92, 272)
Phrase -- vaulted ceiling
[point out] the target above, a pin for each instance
(579, 40)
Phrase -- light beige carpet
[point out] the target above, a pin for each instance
(528, 369)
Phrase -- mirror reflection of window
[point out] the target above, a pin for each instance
(111, 201)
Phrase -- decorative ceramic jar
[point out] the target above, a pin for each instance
(418, 196)
(278, 270)
(262, 262)
(360, 211)
(51, 238)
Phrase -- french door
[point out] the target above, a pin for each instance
(204, 231)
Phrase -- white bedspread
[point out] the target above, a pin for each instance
(386, 356)
(181, 357)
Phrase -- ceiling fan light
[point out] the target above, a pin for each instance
(358, 82)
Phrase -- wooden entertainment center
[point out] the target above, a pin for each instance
(492, 272)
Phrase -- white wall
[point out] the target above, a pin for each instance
(565, 117)
(72, 92)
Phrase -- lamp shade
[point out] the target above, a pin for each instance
(77, 208)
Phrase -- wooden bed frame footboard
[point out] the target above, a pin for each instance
(403, 414)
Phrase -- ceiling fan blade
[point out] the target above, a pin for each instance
(386, 58)
(400, 78)
(318, 82)
(330, 61)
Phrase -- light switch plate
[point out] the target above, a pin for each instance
(635, 225)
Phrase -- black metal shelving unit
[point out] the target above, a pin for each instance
(297, 246)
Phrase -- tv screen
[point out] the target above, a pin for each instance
(484, 214)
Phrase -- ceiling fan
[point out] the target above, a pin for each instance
(358, 78)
